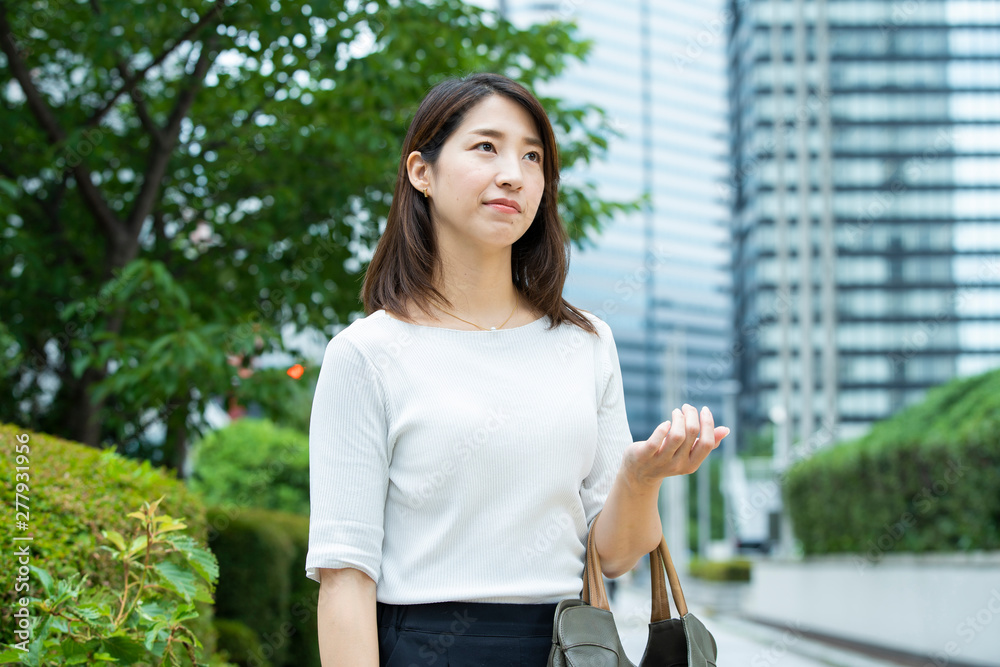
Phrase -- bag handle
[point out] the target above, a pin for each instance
(595, 595)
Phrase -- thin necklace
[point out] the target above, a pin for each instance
(479, 327)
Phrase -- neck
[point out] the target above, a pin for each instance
(478, 285)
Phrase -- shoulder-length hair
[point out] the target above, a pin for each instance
(402, 268)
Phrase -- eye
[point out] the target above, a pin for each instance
(537, 156)
(484, 143)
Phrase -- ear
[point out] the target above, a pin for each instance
(419, 171)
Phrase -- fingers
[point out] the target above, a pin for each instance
(707, 436)
(659, 436)
(676, 436)
(691, 425)
(688, 434)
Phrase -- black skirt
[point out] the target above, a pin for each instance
(464, 634)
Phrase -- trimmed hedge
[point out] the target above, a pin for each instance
(253, 463)
(304, 649)
(262, 584)
(927, 479)
(737, 569)
(239, 644)
(75, 492)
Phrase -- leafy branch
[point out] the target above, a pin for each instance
(139, 622)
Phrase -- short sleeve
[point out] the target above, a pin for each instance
(348, 463)
(613, 433)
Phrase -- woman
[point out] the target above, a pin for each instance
(466, 432)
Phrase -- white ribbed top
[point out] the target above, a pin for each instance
(463, 465)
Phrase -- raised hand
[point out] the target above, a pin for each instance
(676, 447)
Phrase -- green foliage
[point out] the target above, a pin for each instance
(925, 480)
(239, 643)
(166, 208)
(759, 442)
(75, 494)
(140, 619)
(281, 399)
(262, 583)
(717, 519)
(737, 569)
(253, 463)
(303, 650)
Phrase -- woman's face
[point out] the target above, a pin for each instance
(488, 181)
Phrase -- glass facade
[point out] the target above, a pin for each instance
(865, 185)
(661, 279)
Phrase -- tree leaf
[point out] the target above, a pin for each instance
(138, 544)
(115, 538)
(177, 579)
(80, 364)
(202, 560)
(124, 649)
(10, 656)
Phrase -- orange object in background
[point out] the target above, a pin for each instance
(296, 371)
(234, 409)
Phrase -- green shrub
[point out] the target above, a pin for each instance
(262, 582)
(140, 619)
(253, 463)
(255, 558)
(737, 569)
(74, 493)
(239, 643)
(925, 480)
(304, 640)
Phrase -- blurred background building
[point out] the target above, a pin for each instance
(865, 182)
(661, 278)
(823, 244)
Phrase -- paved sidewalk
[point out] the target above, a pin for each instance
(741, 643)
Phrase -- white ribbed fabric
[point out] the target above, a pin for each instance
(463, 465)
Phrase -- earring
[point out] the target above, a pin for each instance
(425, 193)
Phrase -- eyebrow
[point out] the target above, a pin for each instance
(497, 134)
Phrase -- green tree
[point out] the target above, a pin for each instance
(179, 185)
(253, 463)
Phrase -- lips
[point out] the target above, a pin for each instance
(505, 205)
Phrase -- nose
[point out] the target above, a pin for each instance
(509, 172)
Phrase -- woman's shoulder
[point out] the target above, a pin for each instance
(603, 329)
(365, 334)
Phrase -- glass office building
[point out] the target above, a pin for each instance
(661, 279)
(865, 186)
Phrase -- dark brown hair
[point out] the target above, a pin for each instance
(402, 268)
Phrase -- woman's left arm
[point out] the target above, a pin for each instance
(630, 525)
